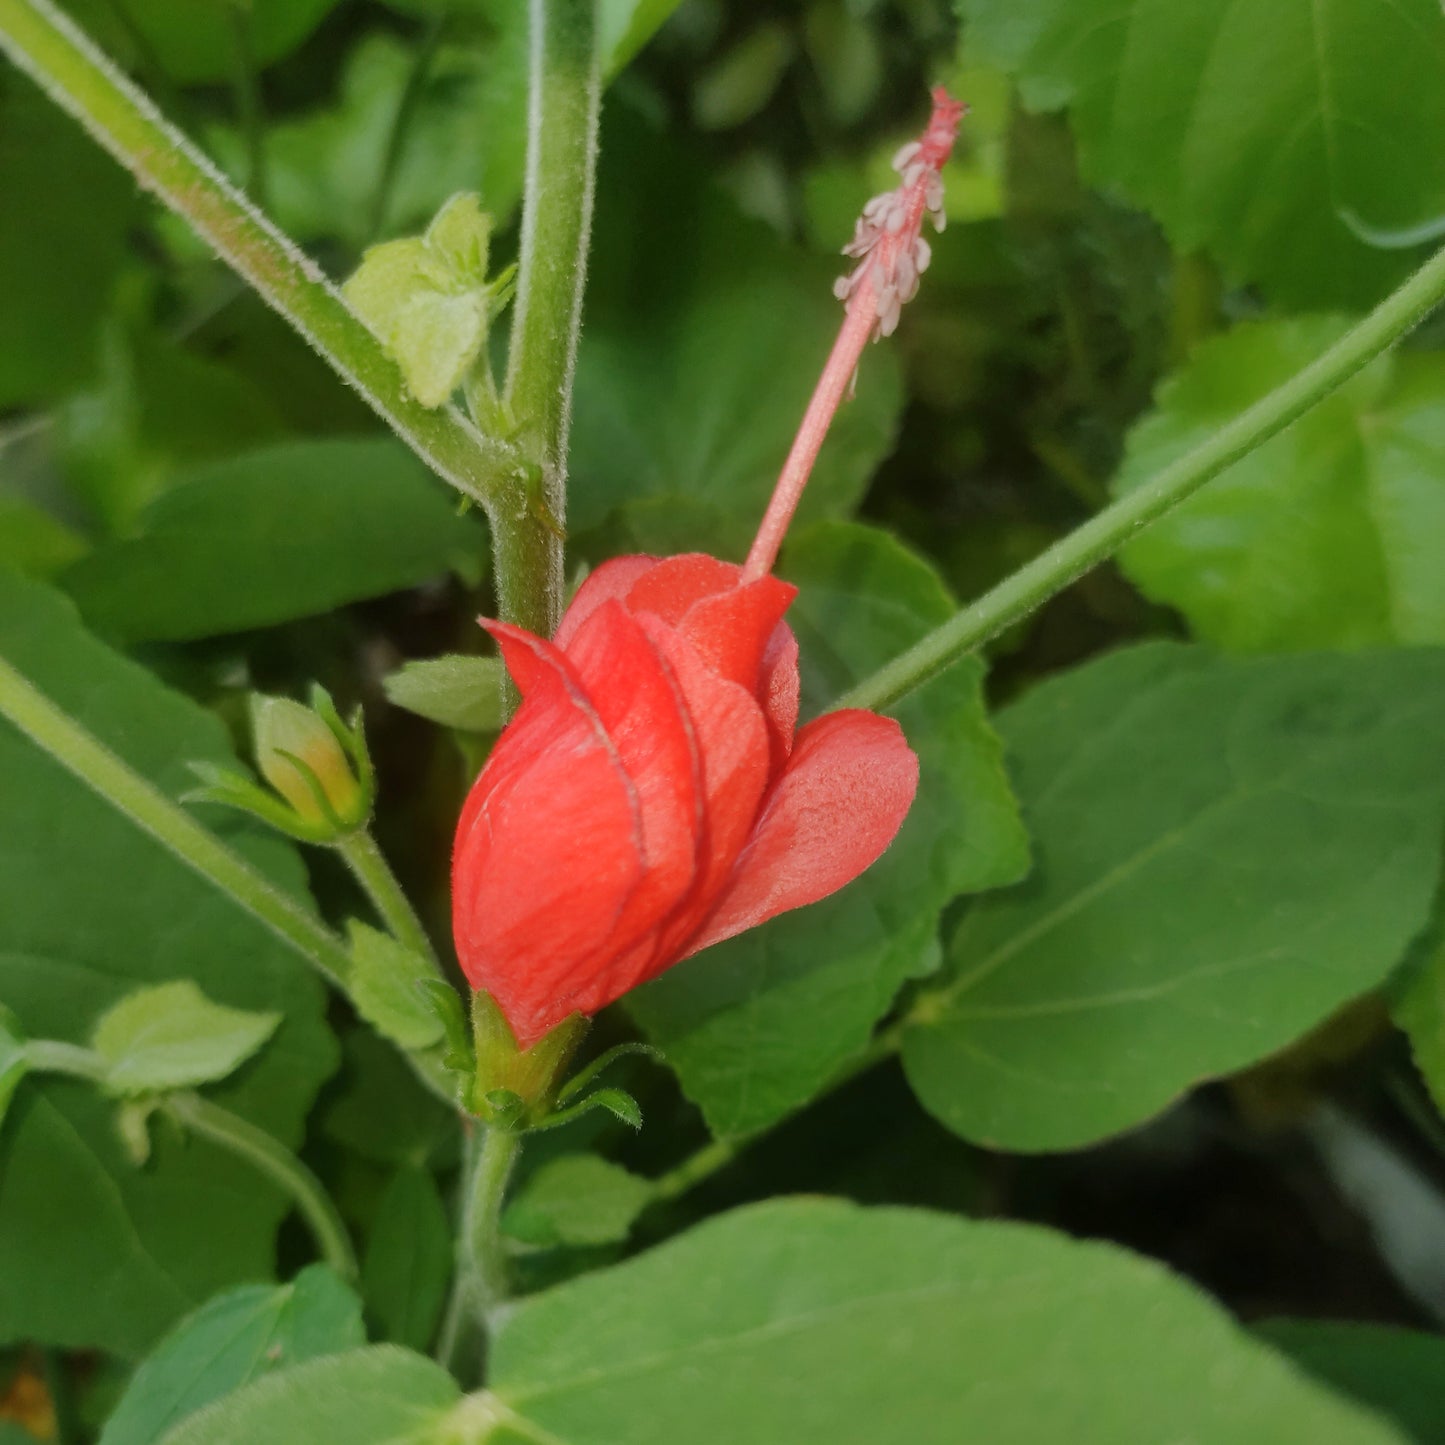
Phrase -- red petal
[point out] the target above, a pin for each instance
(676, 583)
(778, 690)
(732, 629)
(847, 788)
(641, 706)
(732, 740)
(548, 848)
(613, 579)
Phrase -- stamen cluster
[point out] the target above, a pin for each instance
(888, 242)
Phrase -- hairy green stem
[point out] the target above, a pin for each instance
(556, 227)
(481, 1282)
(1103, 535)
(240, 1137)
(48, 46)
(113, 779)
(370, 868)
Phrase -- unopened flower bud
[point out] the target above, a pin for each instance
(313, 761)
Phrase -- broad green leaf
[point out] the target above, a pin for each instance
(240, 1336)
(171, 1036)
(467, 132)
(819, 1323)
(377, 1396)
(384, 988)
(577, 1199)
(1395, 1372)
(755, 1026)
(1227, 851)
(33, 542)
(198, 43)
(13, 1065)
(1418, 1008)
(625, 26)
(705, 336)
(1325, 536)
(60, 196)
(456, 691)
(1277, 136)
(408, 1260)
(155, 409)
(273, 535)
(379, 1110)
(93, 1251)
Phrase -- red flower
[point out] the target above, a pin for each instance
(650, 796)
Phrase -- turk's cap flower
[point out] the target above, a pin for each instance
(654, 794)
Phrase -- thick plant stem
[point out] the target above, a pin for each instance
(57, 55)
(481, 1282)
(1103, 535)
(239, 1137)
(556, 227)
(83, 754)
(370, 868)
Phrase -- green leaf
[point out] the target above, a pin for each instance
(171, 1036)
(408, 1260)
(455, 691)
(93, 1251)
(53, 318)
(1418, 1008)
(1227, 851)
(1324, 536)
(379, 1110)
(1393, 1371)
(428, 301)
(705, 336)
(273, 535)
(377, 1396)
(819, 1323)
(757, 1025)
(1275, 136)
(240, 1336)
(33, 542)
(578, 1199)
(467, 132)
(154, 409)
(13, 1064)
(198, 43)
(384, 982)
(625, 26)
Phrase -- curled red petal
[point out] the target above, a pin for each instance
(778, 691)
(847, 788)
(641, 706)
(733, 628)
(548, 850)
(732, 741)
(613, 579)
(676, 584)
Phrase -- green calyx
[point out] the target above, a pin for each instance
(322, 784)
(515, 1088)
(428, 301)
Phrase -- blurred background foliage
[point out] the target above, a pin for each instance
(1149, 227)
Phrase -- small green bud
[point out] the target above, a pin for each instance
(315, 762)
